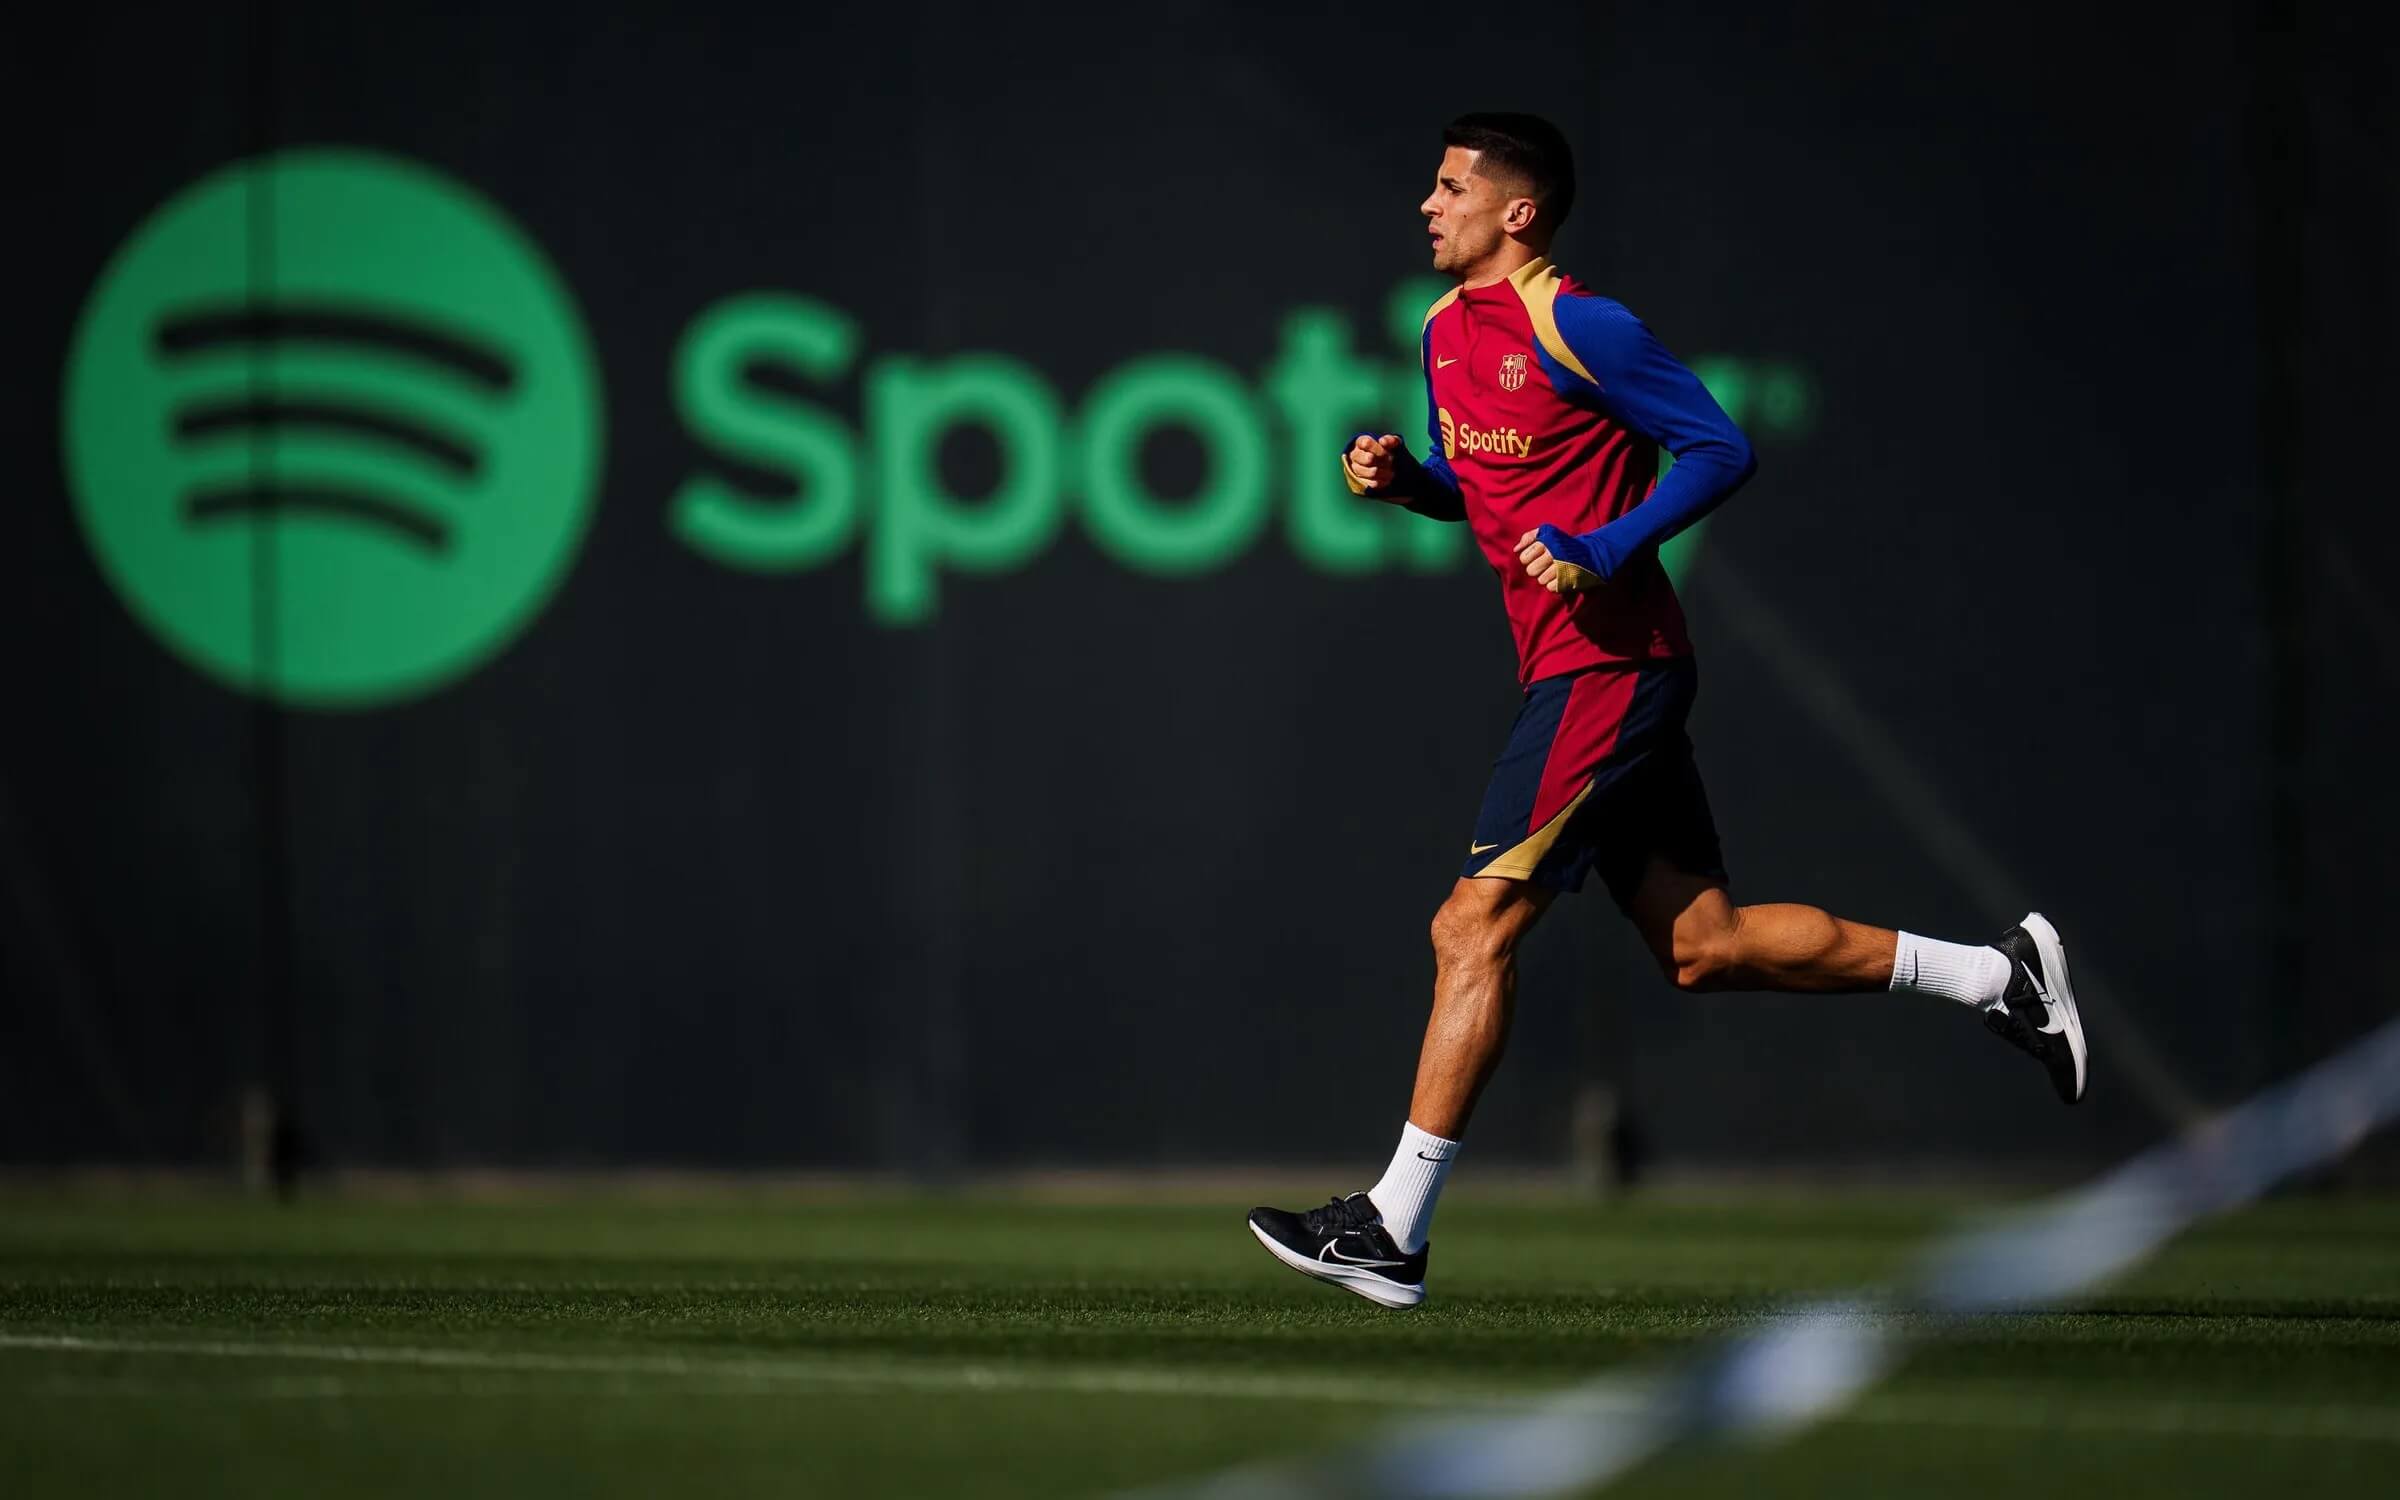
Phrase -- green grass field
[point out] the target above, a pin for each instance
(884, 1346)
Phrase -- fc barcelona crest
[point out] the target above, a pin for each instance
(1512, 371)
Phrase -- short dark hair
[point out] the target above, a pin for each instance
(1526, 147)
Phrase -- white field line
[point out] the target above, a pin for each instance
(858, 1373)
(1996, 1409)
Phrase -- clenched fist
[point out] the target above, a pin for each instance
(1551, 573)
(1373, 461)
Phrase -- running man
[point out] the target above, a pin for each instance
(1549, 406)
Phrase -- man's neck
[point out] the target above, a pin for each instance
(1504, 263)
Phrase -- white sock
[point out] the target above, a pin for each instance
(1411, 1185)
(1971, 973)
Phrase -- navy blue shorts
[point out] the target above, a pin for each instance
(1598, 774)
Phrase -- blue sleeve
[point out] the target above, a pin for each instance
(1437, 497)
(1440, 497)
(1435, 493)
(1636, 380)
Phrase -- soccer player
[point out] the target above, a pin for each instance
(1549, 405)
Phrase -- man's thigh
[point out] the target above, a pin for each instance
(1658, 815)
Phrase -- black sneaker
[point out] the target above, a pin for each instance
(1344, 1243)
(2036, 1013)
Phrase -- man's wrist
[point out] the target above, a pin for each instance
(1588, 551)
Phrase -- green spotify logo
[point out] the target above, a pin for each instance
(333, 427)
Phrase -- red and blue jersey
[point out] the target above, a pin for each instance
(1549, 406)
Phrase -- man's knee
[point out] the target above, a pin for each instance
(1703, 954)
(1480, 923)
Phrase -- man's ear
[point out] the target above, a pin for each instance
(1519, 215)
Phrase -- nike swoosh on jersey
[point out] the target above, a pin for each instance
(1479, 848)
(1440, 363)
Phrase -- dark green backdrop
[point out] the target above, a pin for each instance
(2068, 584)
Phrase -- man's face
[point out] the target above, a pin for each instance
(1467, 213)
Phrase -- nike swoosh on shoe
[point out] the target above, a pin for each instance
(2053, 1024)
(1352, 1260)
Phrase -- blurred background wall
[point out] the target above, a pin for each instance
(972, 728)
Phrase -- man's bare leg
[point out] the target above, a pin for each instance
(1374, 1243)
(1475, 938)
(1703, 942)
(2019, 985)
